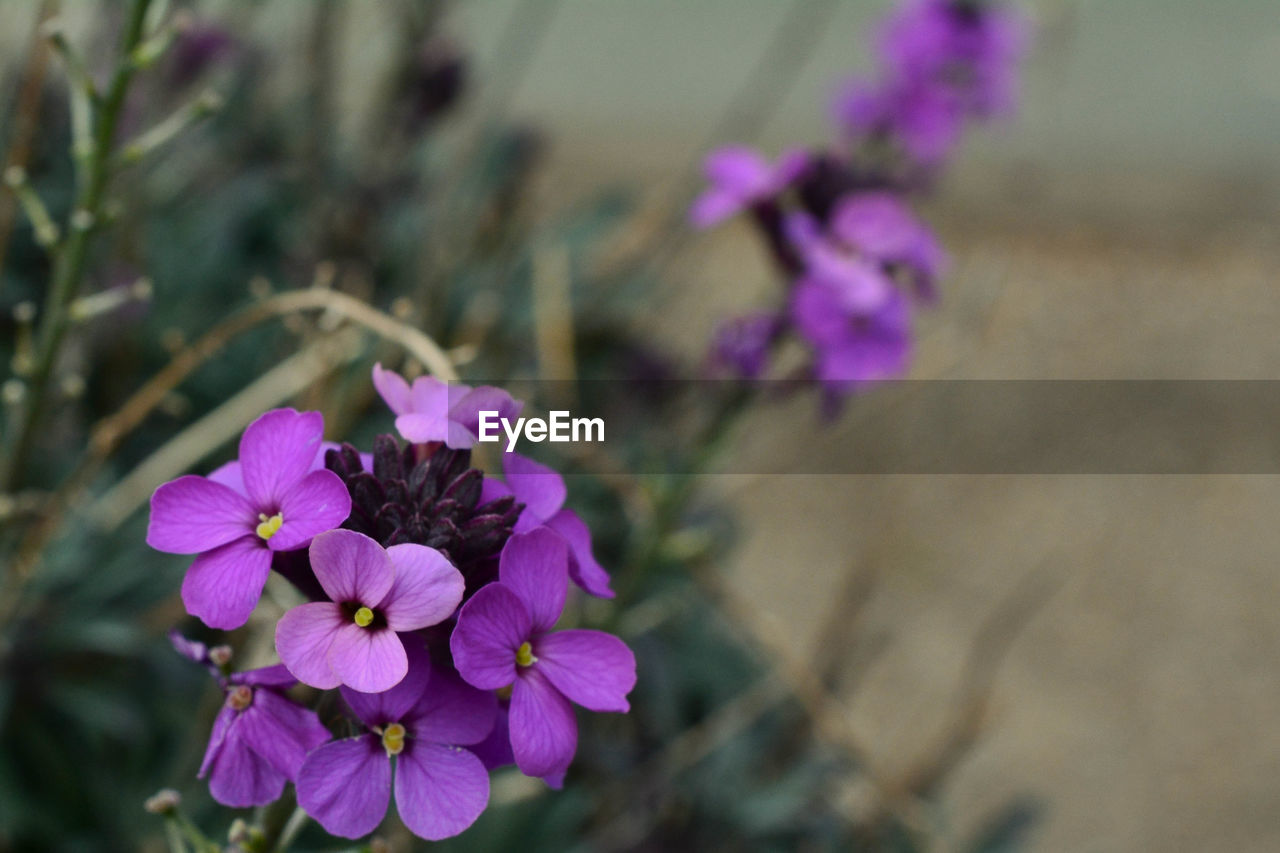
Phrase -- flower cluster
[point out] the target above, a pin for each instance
(433, 593)
(837, 222)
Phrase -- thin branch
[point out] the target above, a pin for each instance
(221, 425)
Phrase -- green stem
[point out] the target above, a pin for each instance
(69, 265)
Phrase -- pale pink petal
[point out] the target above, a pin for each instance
(544, 733)
(535, 566)
(491, 627)
(223, 585)
(193, 514)
(426, 590)
(351, 567)
(303, 638)
(316, 503)
(393, 388)
(370, 660)
(592, 668)
(431, 396)
(440, 790)
(276, 451)
(346, 786)
(422, 427)
(583, 568)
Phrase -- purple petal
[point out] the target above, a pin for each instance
(583, 568)
(276, 451)
(466, 413)
(739, 170)
(536, 486)
(440, 790)
(535, 566)
(495, 750)
(281, 732)
(267, 676)
(792, 164)
(713, 207)
(367, 659)
(303, 638)
(239, 778)
(860, 285)
(189, 649)
(317, 503)
(452, 712)
(393, 388)
(192, 514)
(431, 395)
(544, 733)
(217, 738)
(223, 585)
(351, 567)
(422, 427)
(592, 668)
(491, 627)
(876, 223)
(389, 706)
(230, 476)
(346, 786)
(426, 590)
(491, 490)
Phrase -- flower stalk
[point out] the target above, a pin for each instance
(94, 173)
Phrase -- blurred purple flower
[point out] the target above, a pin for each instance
(375, 593)
(925, 121)
(882, 227)
(504, 638)
(432, 410)
(968, 49)
(853, 349)
(272, 500)
(742, 344)
(741, 178)
(418, 727)
(196, 47)
(542, 491)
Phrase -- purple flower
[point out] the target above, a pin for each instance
(925, 120)
(741, 178)
(742, 344)
(375, 593)
(259, 738)
(274, 501)
(857, 279)
(968, 50)
(504, 638)
(431, 410)
(542, 492)
(417, 727)
(852, 349)
(882, 227)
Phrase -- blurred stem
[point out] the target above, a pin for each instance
(277, 820)
(296, 822)
(69, 263)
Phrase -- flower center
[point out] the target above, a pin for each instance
(240, 698)
(524, 654)
(268, 527)
(363, 617)
(393, 739)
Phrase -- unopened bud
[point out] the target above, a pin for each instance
(24, 312)
(163, 801)
(12, 392)
(238, 833)
(72, 386)
(81, 219)
(220, 655)
(15, 176)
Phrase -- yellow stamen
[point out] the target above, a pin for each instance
(393, 739)
(503, 693)
(524, 654)
(268, 527)
(364, 616)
